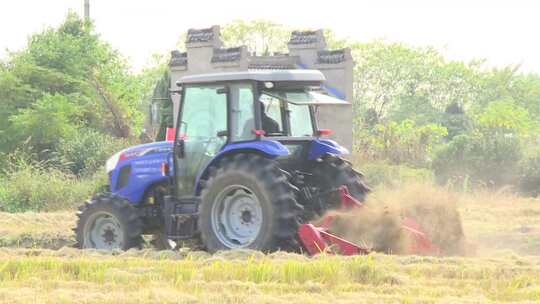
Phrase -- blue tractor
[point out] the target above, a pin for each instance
(247, 166)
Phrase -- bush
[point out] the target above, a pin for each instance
(399, 143)
(36, 188)
(489, 159)
(529, 169)
(380, 173)
(87, 151)
(45, 123)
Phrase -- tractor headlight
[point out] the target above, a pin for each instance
(113, 161)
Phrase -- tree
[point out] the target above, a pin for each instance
(504, 116)
(42, 125)
(401, 82)
(71, 65)
(260, 36)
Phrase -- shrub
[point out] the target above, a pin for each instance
(42, 125)
(86, 151)
(4, 162)
(379, 173)
(488, 158)
(399, 143)
(31, 187)
(529, 174)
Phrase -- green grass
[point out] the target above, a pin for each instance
(35, 188)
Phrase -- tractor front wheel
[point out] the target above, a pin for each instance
(247, 203)
(107, 222)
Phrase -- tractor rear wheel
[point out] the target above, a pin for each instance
(329, 174)
(247, 203)
(108, 222)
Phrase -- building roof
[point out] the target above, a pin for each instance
(257, 75)
(331, 57)
(200, 35)
(306, 37)
(227, 55)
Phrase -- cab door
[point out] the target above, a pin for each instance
(203, 114)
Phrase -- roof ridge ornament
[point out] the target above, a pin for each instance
(309, 39)
(204, 37)
(228, 54)
(334, 56)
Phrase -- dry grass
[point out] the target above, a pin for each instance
(504, 229)
(496, 221)
(30, 229)
(71, 276)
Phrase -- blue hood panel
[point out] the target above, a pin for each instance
(144, 162)
(155, 147)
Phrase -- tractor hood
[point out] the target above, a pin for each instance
(138, 151)
(155, 147)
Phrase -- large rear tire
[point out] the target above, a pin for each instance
(247, 203)
(329, 174)
(108, 222)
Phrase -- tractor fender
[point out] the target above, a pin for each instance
(321, 147)
(267, 148)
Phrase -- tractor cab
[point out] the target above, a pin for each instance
(271, 113)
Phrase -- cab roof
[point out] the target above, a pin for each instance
(257, 75)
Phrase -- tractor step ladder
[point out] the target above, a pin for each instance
(181, 217)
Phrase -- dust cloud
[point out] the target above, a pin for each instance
(378, 225)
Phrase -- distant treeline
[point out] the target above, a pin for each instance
(68, 100)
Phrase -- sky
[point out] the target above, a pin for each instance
(503, 32)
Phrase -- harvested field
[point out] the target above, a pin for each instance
(491, 221)
(37, 230)
(502, 230)
(69, 275)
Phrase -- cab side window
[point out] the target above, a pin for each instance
(271, 117)
(242, 112)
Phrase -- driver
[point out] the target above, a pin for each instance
(269, 125)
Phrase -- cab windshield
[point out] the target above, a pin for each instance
(281, 117)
